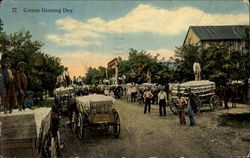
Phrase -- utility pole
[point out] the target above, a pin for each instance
(247, 77)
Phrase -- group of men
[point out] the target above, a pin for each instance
(181, 103)
(135, 93)
(63, 80)
(13, 86)
(162, 101)
(78, 81)
(147, 95)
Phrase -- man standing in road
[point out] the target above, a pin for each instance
(147, 97)
(162, 100)
(133, 94)
(181, 102)
(190, 107)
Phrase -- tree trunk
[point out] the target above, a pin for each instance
(40, 96)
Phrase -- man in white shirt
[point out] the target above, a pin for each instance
(129, 93)
(162, 100)
(106, 91)
(197, 71)
(133, 94)
(79, 81)
(66, 77)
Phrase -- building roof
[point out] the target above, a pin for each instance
(230, 32)
(112, 62)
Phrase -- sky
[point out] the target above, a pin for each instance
(91, 33)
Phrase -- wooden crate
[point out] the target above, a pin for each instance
(45, 125)
(18, 136)
(101, 107)
(102, 118)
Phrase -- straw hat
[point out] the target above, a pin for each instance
(21, 63)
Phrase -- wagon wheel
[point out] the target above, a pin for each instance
(45, 146)
(106, 128)
(59, 145)
(80, 126)
(74, 122)
(198, 104)
(40, 141)
(117, 124)
(173, 107)
(214, 102)
(246, 100)
(53, 148)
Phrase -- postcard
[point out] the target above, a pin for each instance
(125, 78)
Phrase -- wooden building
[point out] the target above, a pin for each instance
(235, 37)
(113, 66)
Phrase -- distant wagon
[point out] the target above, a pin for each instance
(149, 85)
(63, 97)
(95, 111)
(29, 134)
(203, 90)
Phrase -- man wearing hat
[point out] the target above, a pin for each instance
(28, 100)
(181, 102)
(190, 106)
(21, 84)
(66, 77)
(162, 100)
(147, 97)
(8, 93)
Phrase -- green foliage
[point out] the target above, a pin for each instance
(217, 64)
(41, 69)
(43, 103)
(185, 56)
(94, 75)
(1, 25)
(141, 62)
(164, 75)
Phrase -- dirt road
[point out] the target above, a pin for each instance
(149, 135)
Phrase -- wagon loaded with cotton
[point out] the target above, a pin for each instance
(63, 97)
(29, 134)
(204, 92)
(96, 111)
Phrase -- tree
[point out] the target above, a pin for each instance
(217, 63)
(164, 75)
(141, 62)
(94, 75)
(41, 69)
(185, 56)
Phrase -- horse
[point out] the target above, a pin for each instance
(228, 93)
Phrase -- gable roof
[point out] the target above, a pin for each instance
(230, 32)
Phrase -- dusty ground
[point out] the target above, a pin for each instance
(148, 135)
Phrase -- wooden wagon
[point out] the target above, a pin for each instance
(95, 111)
(204, 92)
(63, 97)
(28, 134)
